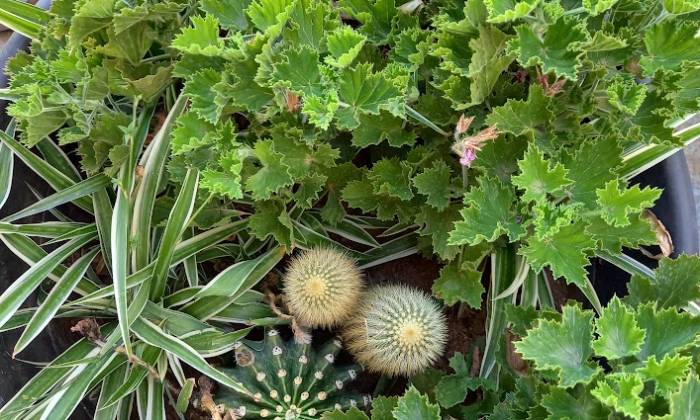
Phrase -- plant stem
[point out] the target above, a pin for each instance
(425, 121)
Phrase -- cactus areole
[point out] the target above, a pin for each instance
(289, 380)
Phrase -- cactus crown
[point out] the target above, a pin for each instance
(321, 287)
(289, 380)
(398, 330)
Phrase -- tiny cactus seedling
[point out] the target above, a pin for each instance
(289, 380)
(397, 330)
(321, 287)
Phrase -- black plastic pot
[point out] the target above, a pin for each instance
(675, 209)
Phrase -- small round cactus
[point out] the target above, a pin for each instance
(397, 330)
(288, 380)
(321, 287)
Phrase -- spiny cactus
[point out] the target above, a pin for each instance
(397, 330)
(322, 287)
(289, 380)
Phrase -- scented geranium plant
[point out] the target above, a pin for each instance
(191, 146)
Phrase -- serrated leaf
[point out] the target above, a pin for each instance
(668, 44)
(677, 282)
(570, 357)
(308, 23)
(392, 177)
(667, 330)
(271, 218)
(438, 225)
(667, 373)
(588, 177)
(352, 414)
(618, 333)
(596, 7)
(321, 110)
(229, 13)
(459, 283)
(270, 15)
(309, 190)
(273, 176)
(626, 95)
(344, 44)
(376, 17)
(562, 405)
(435, 183)
(414, 406)
(373, 129)
(244, 90)
(365, 92)
(489, 59)
(198, 88)
(382, 407)
(523, 117)
(488, 214)
(509, 10)
(202, 38)
(565, 252)
(539, 177)
(559, 51)
(299, 71)
(618, 205)
(681, 7)
(686, 100)
(621, 392)
(685, 403)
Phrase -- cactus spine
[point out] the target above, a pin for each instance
(397, 330)
(289, 380)
(321, 287)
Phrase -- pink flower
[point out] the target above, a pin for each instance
(468, 157)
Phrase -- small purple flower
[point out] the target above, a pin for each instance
(467, 157)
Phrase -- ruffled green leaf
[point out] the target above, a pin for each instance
(621, 392)
(435, 183)
(501, 11)
(202, 38)
(344, 44)
(617, 205)
(488, 214)
(273, 176)
(668, 45)
(618, 333)
(667, 373)
(459, 283)
(413, 406)
(570, 356)
(559, 51)
(677, 282)
(376, 17)
(539, 177)
(519, 117)
(564, 251)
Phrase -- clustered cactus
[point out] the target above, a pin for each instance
(289, 380)
(397, 330)
(394, 330)
(321, 287)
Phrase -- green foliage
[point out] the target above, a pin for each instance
(213, 137)
(648, 362)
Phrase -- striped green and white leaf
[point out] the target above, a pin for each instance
(60, 292)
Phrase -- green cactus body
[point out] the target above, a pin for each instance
(288, 380)
(322, 287)
(397, 330)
